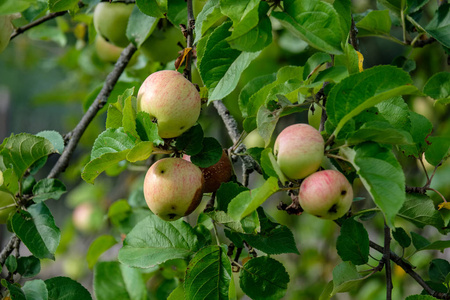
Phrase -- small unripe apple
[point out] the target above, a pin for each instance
(173, 188)
(172, 100)
(254, 139)
(326, 195)
(216, 174)
(299, 150)
(162, 45)
(314, 117)
(111, 21)
(1, 178)
(5, 200)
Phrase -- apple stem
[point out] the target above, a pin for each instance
(337, 157)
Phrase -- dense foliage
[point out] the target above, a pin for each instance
(372, 76)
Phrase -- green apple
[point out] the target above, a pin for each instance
(6, 199)
(1, 178)
(299, 150)
(254, 139)
(107, 52)
(6, 29)
(173, 188)
(172, 100)
(326, 194)
(162, 45)
(314, 117)
(111, 21)
(216, 174)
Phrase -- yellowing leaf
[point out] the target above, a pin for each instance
(360, 61)
(445, 205)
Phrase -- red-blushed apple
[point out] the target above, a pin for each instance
(88, 218)
(111, 21)
(172, 100)
(326, 194)
(216, 174)
(299, 150)
(173, 188)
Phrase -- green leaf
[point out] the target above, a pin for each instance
(140, 26)
(15, 292)
(420, 297)
(21, 151)
(62, 5)
(363, 90)
(227, 221)
(48, 188)
(421, 127)
(314, 62)
(382, 176)
(348, 59)
(129, 116)
(209, 15)
(13, 6)
(270, 166)
(419, 210)
(11, 263)
(438, 87)
(353, 242)
(436, 245)
(250, 36)
(273, 238)
(37, 230)
(345, 278)
(226, 192)
(113, 280)
(141, 151)
(343, 9)
(377, 22)
(35, 290)
(401, 237)
(177, 293)
(208, 275)
(177, 12)
(314, 22)
(439, 26)
(116, 94)
(419, 241)
(98, 247)
(264, 278)
(153, 8)
(28, 266)
(238, 10)
(221, 66)
(251, 88)
(247, 202)
(191, 141)
(438, 149)
(380, 132)
(66, 288)
(110, 147)
(114, 116)
(439, 270)
(209, 155)
(153, 241)
(55, 138)
(147, 130)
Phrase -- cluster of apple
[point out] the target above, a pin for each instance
(326, 194)
(173, 187)
(111, 21)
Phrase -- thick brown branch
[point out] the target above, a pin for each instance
(99, 102)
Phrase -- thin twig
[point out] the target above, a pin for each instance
(189, 39)
(353, 34)
(99, 102)
(39, 21)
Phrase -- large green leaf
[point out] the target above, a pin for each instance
(48, 188)
(98, 247)
(363, 90)
(439, 26)
(382, 176)
(264, 278)
(221, 66)
(377, 22)
(353, 242)
(62, 5)
(113, 280)
(345, 278)
(110, 147)
(153, 8)
(153, 241)
(37, 230)
(316, 22)
(66, 288)
(419, 210)
(247, 202)
(21, 151)
(420, 130)
(208, 275)
(209, 15)
(438, 87)
(140, 26)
